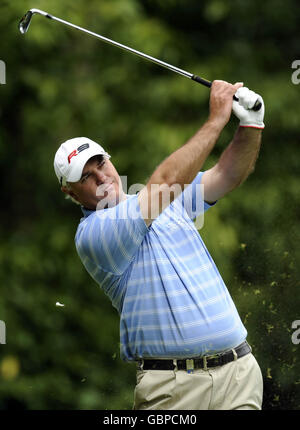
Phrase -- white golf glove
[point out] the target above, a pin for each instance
(242, 108)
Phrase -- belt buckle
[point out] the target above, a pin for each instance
(189, 365)
(235, 356)
(141, 364)
(175, 365)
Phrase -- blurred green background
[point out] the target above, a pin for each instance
(61, 84)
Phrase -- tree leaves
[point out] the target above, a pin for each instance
(62, 84)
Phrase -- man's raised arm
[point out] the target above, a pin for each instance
(238, 159)
(181, 167)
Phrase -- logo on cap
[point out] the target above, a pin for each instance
(77, 151)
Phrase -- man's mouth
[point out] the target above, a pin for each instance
(107, 196)
(104, 189)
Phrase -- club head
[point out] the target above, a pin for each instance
(25, 22)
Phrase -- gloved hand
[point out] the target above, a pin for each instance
(242, 108)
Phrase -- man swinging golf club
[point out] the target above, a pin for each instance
(177, 319)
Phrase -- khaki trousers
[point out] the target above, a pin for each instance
(236, 385)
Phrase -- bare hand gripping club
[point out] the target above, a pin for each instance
(26, 20)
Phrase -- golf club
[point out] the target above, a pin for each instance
(26, 20)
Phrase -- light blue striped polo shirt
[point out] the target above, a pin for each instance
(162, 280)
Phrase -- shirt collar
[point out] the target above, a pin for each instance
(86, 212)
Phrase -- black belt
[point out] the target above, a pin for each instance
(203, 362)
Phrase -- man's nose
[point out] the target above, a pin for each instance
(100, 177)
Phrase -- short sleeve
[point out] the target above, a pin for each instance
(192, 198)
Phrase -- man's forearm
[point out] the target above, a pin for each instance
(182, 166)
(238, 159)
(234, 166)
(177, 171)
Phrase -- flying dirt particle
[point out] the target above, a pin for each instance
(59, 304)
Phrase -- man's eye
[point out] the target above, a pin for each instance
(101, 163)
(84, 179)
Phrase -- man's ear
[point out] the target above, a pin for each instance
(68, 191)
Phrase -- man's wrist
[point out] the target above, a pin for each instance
(250, 130)
(255, 126)
(216, 123)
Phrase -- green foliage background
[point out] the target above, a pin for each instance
(62, 84)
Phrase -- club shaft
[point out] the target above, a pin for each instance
(168, 66)
(126, 48)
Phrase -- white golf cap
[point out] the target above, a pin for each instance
(71, 157)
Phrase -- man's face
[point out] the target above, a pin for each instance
(99, 187)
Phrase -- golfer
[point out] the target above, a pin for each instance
(177, 319)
